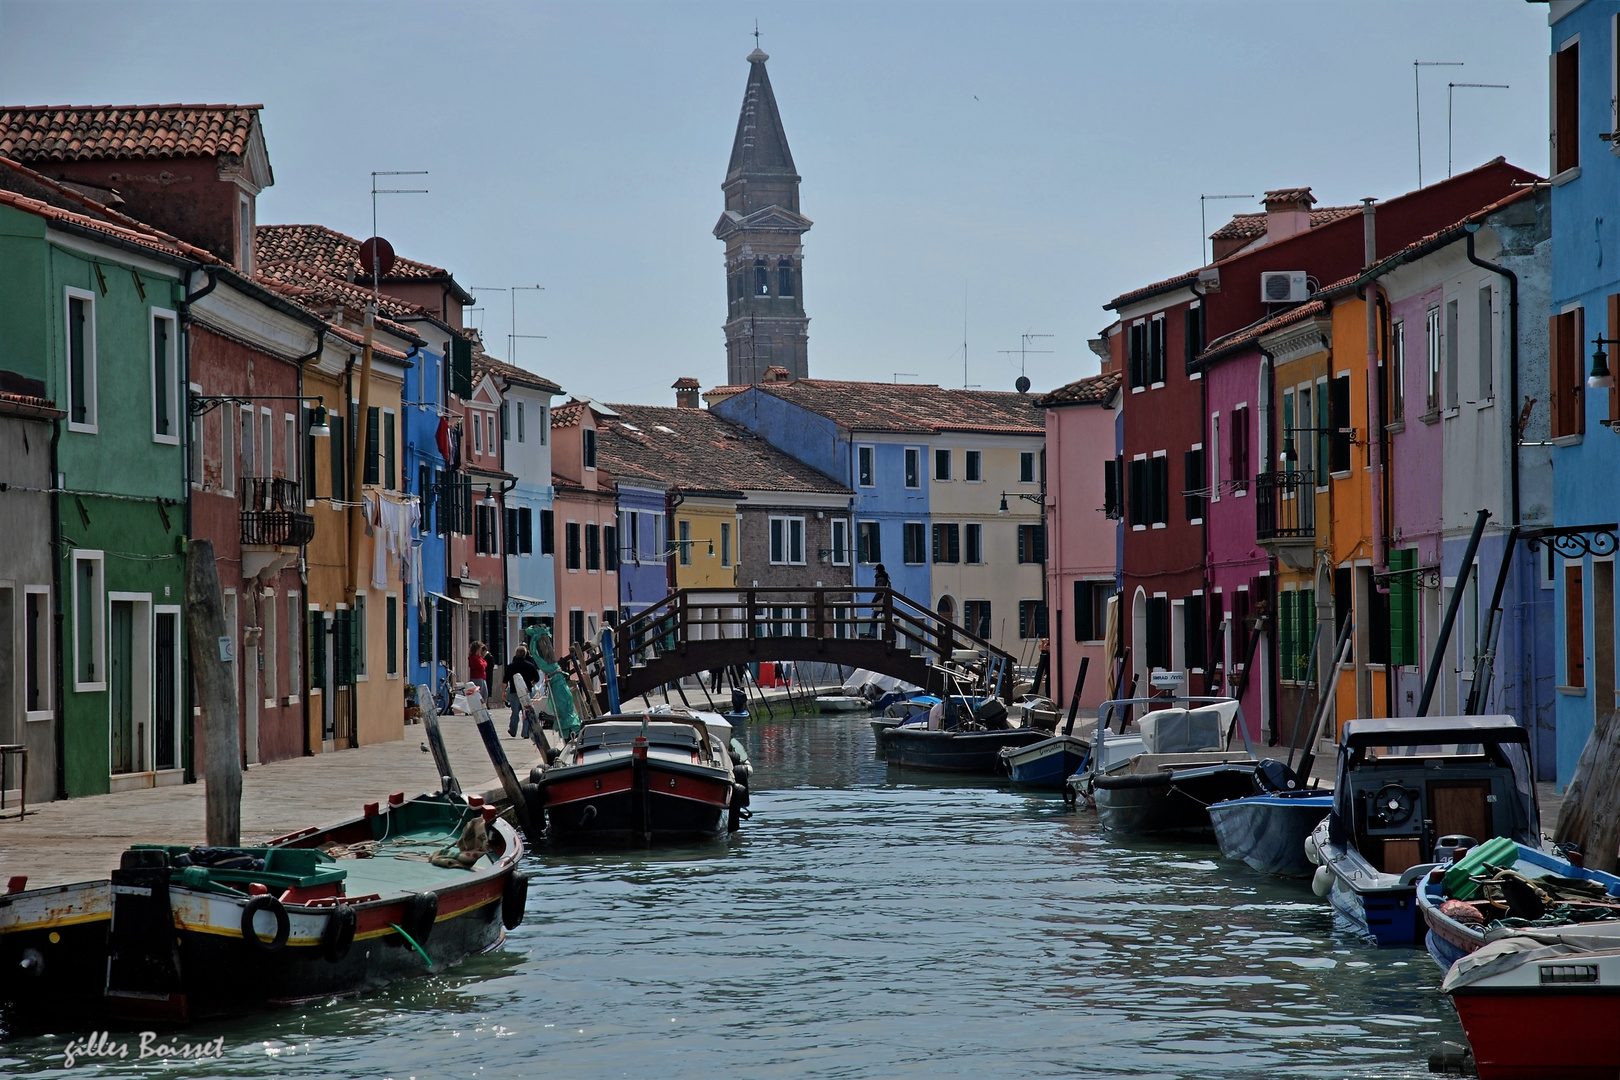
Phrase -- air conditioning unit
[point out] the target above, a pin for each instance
(1284, 287)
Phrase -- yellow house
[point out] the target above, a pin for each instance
(701, 517)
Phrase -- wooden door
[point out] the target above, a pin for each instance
(121, 685)
(166, 694)
(1459, 807)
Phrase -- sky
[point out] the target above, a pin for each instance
(1006, 167)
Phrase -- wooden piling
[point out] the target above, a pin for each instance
(213, 665)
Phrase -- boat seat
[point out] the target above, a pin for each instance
(1152, 763)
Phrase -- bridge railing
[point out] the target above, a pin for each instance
(883, 616)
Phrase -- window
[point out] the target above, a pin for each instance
(89, 621)
(1451, 354)
(868, 542)
(81, 340)
(247, 444)
(787, 541)
(1574, 626)
(593, 547)
(548, 537)
(289, 424)
(1149, 494)
(913, 543)
(1091, 609)
(784, 278)
(360, 640)
(1026, 467)
(244, 234)
(477, 433)
(1397, 377)
(1432, 346)
(1138, 501)
(266, 454)
(1156, 650)
(1404, 647)
(576, 627)
(942, 464)
(340, 455)
(1112, 507)
(1566, 113)
(521, 427)
(295, 646)
(1486, 388)
(975, 543)
(762, 281)
(683, 531)
(37, 638)
(1193, 476)
(489, 432)
(976, 614)
(485, 542)
(1240, 450)
(947, 543)
(1032, 542)
(840, 542)
(913, 467)
(519, 533)
(1566, 335)
(1155, 351)
(1195, 334)
(1136, 355)
(1031, 619)
(1193, 650)
(389, 475)
(1339, 425)
(610, 548)
(165, 386)
(197, 454)
(589, 436)
(267, 647)
(972, 466)
(393, 636)
(572, 542)
(506, 421)
(725, 543)
(864, 469)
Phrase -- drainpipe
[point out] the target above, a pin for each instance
(303, 549)
(58, 553)
(1375, 400)
(1513, 367)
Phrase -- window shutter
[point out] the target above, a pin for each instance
(1577, 370)
(1193, 629)
(610, 547)
(317, 650)
(1038, 535)
(548, 532)
(461, 367)
(525, 531)
(1082, 611)
(939, 537)
(1613, 353)
(1111, 488)
(389, 442)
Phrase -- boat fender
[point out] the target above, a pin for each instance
(338, 934)
(739, 752)
(251, 909)
(1312, 852)
(537, 774)
(531, 797)
(514, 899)
(32, 963)
(420, 912)
(1322, 881)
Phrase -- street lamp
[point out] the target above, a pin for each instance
(489, 496)
(1034, 497)
(1600, 377)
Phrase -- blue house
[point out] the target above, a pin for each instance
(426, 601)
(1584, 305)
(643, 564)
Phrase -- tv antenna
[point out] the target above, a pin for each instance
(513, 337)
(1024, 351)
(1451, 89)
(1417, 102)
(1203, 223)
(377, 254)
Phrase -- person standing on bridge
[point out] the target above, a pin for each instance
(880, 578)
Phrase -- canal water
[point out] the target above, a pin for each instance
(868, 923)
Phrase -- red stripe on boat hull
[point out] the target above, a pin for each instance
(1539, 1035)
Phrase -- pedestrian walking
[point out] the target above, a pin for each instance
(522, 664)
(478, 669)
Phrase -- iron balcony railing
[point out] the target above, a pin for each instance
(273, 512)
(1285, 505)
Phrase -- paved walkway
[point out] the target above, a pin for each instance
(81, 839)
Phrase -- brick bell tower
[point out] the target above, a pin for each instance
(762, 230)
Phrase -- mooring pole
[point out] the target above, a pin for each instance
(213, 662)
(1451, 612)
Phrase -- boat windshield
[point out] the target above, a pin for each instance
(1435, 750)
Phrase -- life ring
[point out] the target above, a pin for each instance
(420, 912)
(514, 898)
(268, 903)
(338, 933)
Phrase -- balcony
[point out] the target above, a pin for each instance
(273, 513)
(1285, 513)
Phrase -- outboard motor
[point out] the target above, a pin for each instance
(1272, 776)
(1452, 846)
(739, 700)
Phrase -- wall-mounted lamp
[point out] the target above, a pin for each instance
(489, 496)
(1601, 378)
(1037, 497)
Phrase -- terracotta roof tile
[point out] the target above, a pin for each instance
(568, 414)
(695, 450)
(1253, 226)
(32, 193)
(1146, 291)
(483, 363)
(1292, 194)
(1092, 390)
(911, 407)
(92, 132)
(332, 253)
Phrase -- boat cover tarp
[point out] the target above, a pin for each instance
(1527, 946)
(1187, 731)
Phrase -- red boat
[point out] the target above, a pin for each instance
(1542, 1004)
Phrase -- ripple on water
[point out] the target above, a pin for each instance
(875, 925)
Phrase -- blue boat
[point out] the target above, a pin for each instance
(1046, 764)
(1401, 786)
(1268, 831)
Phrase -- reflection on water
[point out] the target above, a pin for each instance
(875, 924)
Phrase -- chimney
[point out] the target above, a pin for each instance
(776, 374)
(686, 392)
(1288, 211)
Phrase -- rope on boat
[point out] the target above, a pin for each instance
(400, 930)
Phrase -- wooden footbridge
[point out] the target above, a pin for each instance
(699, 630)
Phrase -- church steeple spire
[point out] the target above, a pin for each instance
(761, 227)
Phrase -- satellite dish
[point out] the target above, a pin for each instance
(1022, 384)
(376, 257)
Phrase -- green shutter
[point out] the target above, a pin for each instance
(461, 367)
(393, 635)
(317, 650)
(1305, 621)
(1287, 636)
(1403, 607)
(372, 444)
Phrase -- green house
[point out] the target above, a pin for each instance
(92, 305)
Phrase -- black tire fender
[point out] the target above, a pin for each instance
(420, 912)
(514, 899)
(338, 933)
(251, 909)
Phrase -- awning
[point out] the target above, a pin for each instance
(514, 600)
(445, 598)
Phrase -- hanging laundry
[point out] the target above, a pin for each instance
(379, 544)
(442, 437)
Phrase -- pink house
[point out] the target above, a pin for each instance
(1082, 530)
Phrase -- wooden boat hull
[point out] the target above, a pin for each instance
(615, 801)
(974, 752)
(1045, 764)
(1541, 1035)
(1168, 803)
(1268, 832)
(49, 939)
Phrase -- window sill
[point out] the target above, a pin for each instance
(1158, 525)
(1138, 528)
(1572, 691)
(1195, 521)
(1156, 386)
(40, 714)
(1431, 417)
(166, 440)
(1344, 475)
(89, 688)
(292, 699)
(1484, 403)
(84, 429)
(1138, 389)
(1567, 440)
(1452, 412)
(1395, 428)
(1572, 173)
